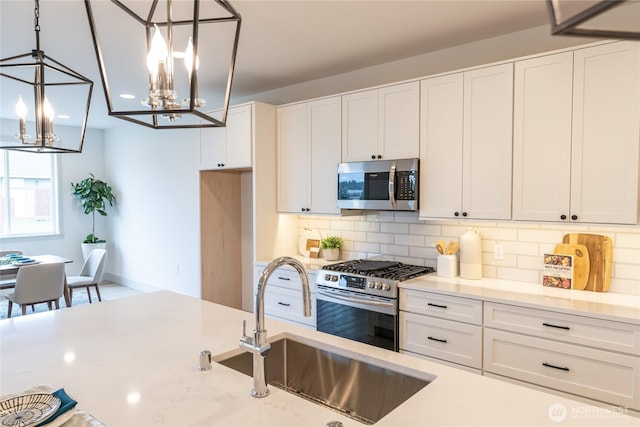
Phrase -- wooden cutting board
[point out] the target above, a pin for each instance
(581, 264)
(599, 248)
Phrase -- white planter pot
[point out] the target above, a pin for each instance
(332, 254)
(88, 247)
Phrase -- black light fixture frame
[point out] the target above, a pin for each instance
(40, 63)
(569, 26)
(207, 121)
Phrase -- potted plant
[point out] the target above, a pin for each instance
(331, 246)
(93, 194)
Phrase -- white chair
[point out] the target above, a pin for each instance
(90, 275)
(36, 284)
(8, 280)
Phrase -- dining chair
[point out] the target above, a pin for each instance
(90, 275)
(8, 280)
(36, 284)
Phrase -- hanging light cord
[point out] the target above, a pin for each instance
(36, 23)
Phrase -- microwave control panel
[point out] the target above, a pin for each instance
(406, 185)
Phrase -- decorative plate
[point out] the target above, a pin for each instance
(28, 409)
(19, 263)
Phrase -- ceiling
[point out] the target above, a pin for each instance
(286, 42)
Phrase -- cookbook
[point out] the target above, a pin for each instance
(558, 271)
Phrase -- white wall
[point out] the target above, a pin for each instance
(75, 225)
(155, 236)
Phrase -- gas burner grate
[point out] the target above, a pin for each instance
(381, 269)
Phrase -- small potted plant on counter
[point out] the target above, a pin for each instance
(93, 194)
(331, 246)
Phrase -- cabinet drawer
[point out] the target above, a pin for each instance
(596, 374)
(287, 278)
(287, 304)
(443, 339)
(443, 306)
(598, 333)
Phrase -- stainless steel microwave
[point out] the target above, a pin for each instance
(379, 185)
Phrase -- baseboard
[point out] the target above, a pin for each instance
(143, 287)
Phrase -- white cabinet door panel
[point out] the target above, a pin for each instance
(606, 129)
(542, 138)
(399, 121)
(359, 126)
(441, 146)
(292, 159)
(324, 129)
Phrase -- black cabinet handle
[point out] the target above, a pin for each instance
(548, 365)
(305, 210)
(284, 303)
(563, 217)
(373, 156)
(379, 156)
(574, 217)
(436, 339)
(551, 325)
(284, 278)
(456, 214)
(464, 214)
(436, 305)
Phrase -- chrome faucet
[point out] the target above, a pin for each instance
(257, 344)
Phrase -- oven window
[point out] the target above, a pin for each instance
(357, 324)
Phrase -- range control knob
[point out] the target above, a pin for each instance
(370, 285)
(378, 285)
(386, 287)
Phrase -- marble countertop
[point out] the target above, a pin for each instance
(603, 305)
(134, 362)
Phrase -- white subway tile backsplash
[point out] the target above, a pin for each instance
(390, 227)
(404, 238)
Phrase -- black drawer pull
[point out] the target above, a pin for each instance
(551, 325)
(284, 303)
(436, 305)
(284, 278)
(436, 339)
(548, 365)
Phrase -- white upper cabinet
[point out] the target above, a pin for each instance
(606, 133)
(441, 146)
(308, 153)
(381, 123)
(466, 144)
(542, 138)
(576, 136)
(228, 147)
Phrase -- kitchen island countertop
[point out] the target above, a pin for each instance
(134, 362)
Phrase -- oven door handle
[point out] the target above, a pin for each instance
(356, 300)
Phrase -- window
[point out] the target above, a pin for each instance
(27, 194)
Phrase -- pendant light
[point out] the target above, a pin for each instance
(616, 19)
(166, 64)
(39, 87)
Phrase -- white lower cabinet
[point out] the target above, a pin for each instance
(441, 327)
(283, 296)
(592, 358)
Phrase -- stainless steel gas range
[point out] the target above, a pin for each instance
(358, 299)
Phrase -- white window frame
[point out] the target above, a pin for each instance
(55, 191)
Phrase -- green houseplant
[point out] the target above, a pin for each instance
(93, 195)
(331, 246)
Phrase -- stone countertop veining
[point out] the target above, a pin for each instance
(134, 362)
(603, 305)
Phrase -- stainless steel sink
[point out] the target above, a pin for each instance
(357, 389)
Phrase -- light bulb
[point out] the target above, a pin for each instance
(188, 57)
(158, 52)
(48, 109)
(21, 109)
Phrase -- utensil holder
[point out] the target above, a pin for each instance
(447, 266)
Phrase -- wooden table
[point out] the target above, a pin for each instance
(7, 269)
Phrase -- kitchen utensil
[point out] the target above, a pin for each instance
(452, 248)
(599, 248)
(440, 247)
(581, 264)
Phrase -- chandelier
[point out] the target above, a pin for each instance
(617, 19)
(164, 62)
(35, 84)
